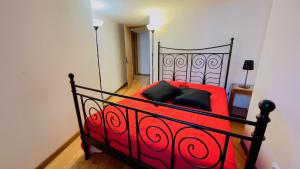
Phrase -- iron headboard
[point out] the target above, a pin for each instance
(203, 65)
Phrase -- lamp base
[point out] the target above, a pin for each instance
(244, 86)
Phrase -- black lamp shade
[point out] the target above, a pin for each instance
(248, 65)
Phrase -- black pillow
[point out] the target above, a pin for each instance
(161, 92)
(194, 98)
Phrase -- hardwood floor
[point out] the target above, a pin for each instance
(240, 155)
(73, 158)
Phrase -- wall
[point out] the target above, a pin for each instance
(112, 54)
(143, 53)
(41, 42)
(278, 79)
(213, 22)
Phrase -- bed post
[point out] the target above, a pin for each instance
(158, 67)
(265, 106)
(228, 64)
(85, 146)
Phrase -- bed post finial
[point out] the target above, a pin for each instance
(71, 76)
(232, 39)
(265, 106)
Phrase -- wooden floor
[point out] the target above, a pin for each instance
(73, 158)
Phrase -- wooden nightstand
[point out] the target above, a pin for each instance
(236, 89)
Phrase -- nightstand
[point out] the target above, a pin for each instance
(236, 89)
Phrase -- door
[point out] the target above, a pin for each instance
(128, 55)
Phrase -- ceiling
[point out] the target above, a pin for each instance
(136, 12)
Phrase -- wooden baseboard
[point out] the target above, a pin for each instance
(57, 152)
(117, 90)
(142, 74)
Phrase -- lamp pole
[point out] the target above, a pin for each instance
(246, 80)
(99, 71)
(152, 55)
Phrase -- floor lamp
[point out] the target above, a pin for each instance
(155, 20)
(152, 28)
(152, 53)
(96, 24)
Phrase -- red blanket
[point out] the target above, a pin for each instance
(192, 148)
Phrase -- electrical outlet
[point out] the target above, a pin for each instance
(275, 165)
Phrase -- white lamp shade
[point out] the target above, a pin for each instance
(97, 22)
(152, 27)
(155, 20)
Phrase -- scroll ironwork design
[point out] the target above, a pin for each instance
(156, 131)
(203, 66)
(189, 144)
(115, 119)
(117, 123)
(195, 68)
(206, 68)
(156, 135)
(111, 117)
(94, 114)
(175, 66)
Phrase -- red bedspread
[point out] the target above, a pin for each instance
(191, 147)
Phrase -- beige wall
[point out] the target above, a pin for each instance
(40, 43)
(212, 22)
(112, 54)
(278, 79)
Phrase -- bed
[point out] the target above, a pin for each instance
(151, 134)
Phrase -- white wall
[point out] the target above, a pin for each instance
(278, 79)
(41, 42)
(143, 53)
(214, 22)
(112, 55)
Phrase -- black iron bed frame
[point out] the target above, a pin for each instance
(118, 121)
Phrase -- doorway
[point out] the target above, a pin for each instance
(137, 51)
(142, 56)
